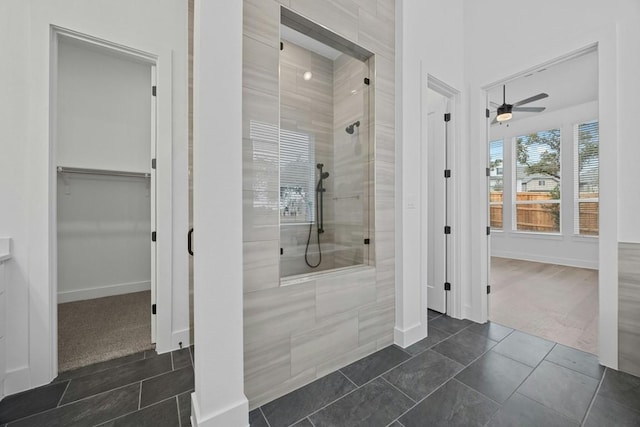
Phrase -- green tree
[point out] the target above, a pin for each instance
(548, 147)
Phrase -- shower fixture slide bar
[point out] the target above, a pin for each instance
(105, 172)
(357, 196)
(319, 217)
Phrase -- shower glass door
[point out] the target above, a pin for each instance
(325, 165)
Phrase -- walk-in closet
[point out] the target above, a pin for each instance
(105, 206)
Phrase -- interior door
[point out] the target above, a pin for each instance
(152, 194)
(437, 201)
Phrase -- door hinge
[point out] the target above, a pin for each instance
(447, 286)
(488, 230)
(281, 251)
(367, 241)
(153, 90)
(281, 46)
(447, 117)
(488, 289)
(153, 163)
(447, 229)
(153, 236)
(487, 113)
(153, 309)
(447, 173)
(488, 172)
(367, 81)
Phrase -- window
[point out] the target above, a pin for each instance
(537, 182)
(587, 181)
(297, 176)
(496, 183)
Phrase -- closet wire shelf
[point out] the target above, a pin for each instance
(87, 171)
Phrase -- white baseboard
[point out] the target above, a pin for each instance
(569, 262)
(103, 291)
(404, 338)
(236, 415)
(182, 336)
(16, 381)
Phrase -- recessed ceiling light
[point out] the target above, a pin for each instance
(307, 75)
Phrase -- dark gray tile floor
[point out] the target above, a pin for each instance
(464, 374)
(143, 389)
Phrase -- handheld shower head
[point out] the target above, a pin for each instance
(325, 175)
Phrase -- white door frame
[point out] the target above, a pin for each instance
(453, 97)
(160, 61)
(605, 40)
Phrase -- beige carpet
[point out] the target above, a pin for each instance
(550, 301)
(101, 329)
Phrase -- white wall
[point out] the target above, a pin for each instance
(103, 121)
(568, 26)
(104, 224)
(104, 109)
(564, 248)
(429, 40)
(25, 169)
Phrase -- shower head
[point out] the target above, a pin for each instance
(349, 129)
(325, 175)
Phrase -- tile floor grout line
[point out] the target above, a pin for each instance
(310, 422)
(593, 398)
(140, 396)
(348, 379)
(477, 391)
(573, 370)
(333, 401)
(403, 393)
(105, 369)
(71, 403)
(62, 395)
(173, 366)
(264, 416)
(178, 406)
(134, 411)
(529, 375)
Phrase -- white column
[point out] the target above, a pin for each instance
(219, 398)
(411, 310)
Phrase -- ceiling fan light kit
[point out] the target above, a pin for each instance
(505, 111)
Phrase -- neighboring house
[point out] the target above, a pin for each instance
(537, 183)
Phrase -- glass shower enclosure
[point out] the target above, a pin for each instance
(325, 163)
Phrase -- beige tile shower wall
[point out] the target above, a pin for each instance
(629, 307)
(295, 334)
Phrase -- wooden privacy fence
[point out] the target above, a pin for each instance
(544, 217)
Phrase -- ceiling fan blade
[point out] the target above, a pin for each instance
(531, 99)
(530, 109)
(494, 121)
(493, 104)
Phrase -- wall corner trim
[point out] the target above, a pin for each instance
(404, 338)
(236, 415)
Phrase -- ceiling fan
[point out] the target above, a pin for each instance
(505, 111)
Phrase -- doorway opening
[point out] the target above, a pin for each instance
(543, 179)
(104, 199)
(438, 244)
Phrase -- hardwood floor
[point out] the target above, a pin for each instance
(550, 301)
